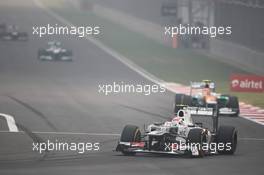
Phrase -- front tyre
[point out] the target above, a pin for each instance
(227, 137)
(196, 139)
(130, 133)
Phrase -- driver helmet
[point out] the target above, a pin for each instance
(178, 118)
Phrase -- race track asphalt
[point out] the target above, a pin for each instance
(59, 101)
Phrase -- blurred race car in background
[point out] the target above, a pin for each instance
(54, 52)
(179, 136)
(11, 33)
(203, 95)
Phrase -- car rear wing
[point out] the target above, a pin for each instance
(200, 85)
(201, 111)
(205, 111)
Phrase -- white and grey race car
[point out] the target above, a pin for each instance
(11, 33)
(54, 52)
(179, 136)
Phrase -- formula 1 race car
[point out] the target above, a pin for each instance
(202, 94)
(11, 33)
(55, 52)
(180, 136)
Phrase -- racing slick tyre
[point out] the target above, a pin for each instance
(195, 139)
(69, 53)
(40, 53)
(23, 36)
(227, 136)
(130, 133)
(234, 104)
(181, 99)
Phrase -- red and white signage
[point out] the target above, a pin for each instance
(246, 83)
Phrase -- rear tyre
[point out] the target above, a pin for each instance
(227, 136)
(197, 137)
(69, 53)
(23, 36)
(181, 99)
(40, 53)
(234, 104)
(130, 133)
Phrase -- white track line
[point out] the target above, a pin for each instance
(252, 115)
(251, 139)
(11, 123)
(68, 133)
(110, 134)
(252, 120)
(77, 133)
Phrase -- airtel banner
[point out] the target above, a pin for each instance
(246, 83)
